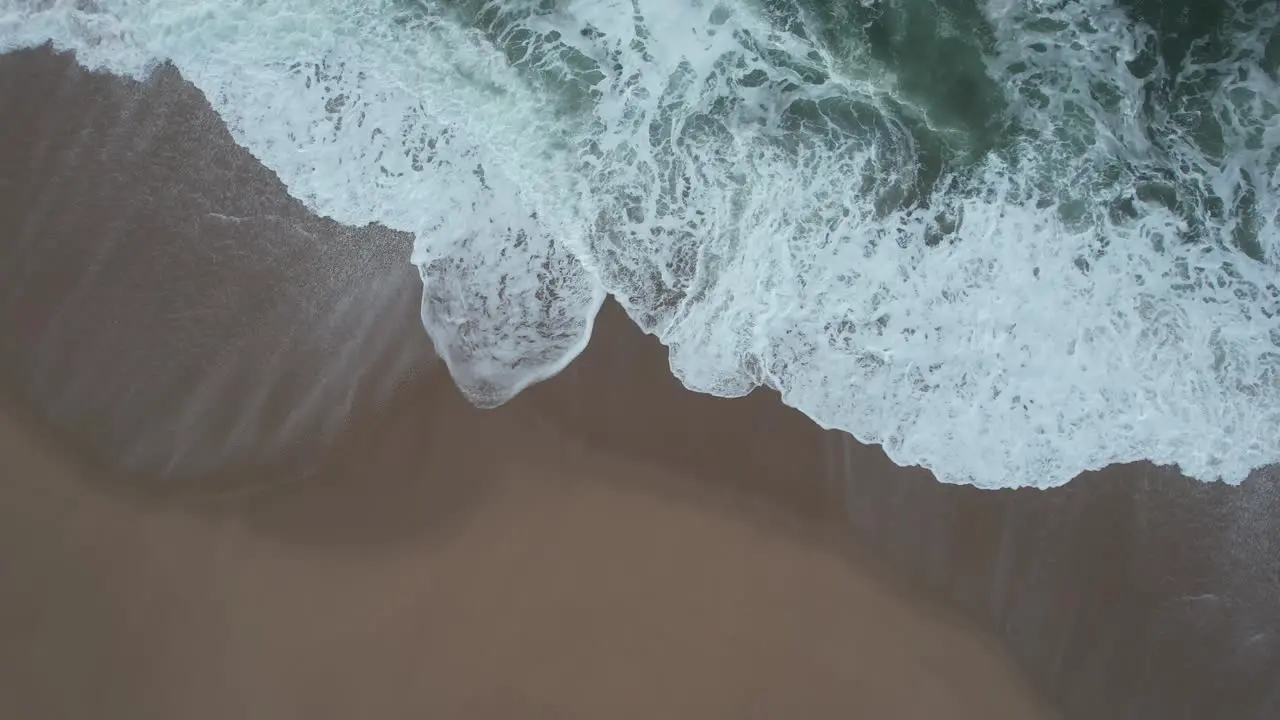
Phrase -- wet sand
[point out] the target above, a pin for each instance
(541, 579)
(234, 482)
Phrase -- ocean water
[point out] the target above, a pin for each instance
(1011, 240)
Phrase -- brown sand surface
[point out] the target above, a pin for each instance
(556, 581)
(222, 420)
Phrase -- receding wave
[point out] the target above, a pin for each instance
(1011, 240)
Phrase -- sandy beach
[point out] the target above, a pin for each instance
(234, 482)
(510, 572)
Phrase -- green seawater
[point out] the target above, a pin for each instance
(1106, 108)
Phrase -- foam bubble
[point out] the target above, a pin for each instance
(1058, 254)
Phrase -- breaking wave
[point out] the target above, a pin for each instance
(1010, 240)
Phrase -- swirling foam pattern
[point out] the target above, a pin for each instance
(1011, 240)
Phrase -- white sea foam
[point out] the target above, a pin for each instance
(746, 191)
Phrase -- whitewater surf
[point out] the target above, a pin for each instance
(1010, 240)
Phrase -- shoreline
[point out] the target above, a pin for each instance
(1129, 592)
